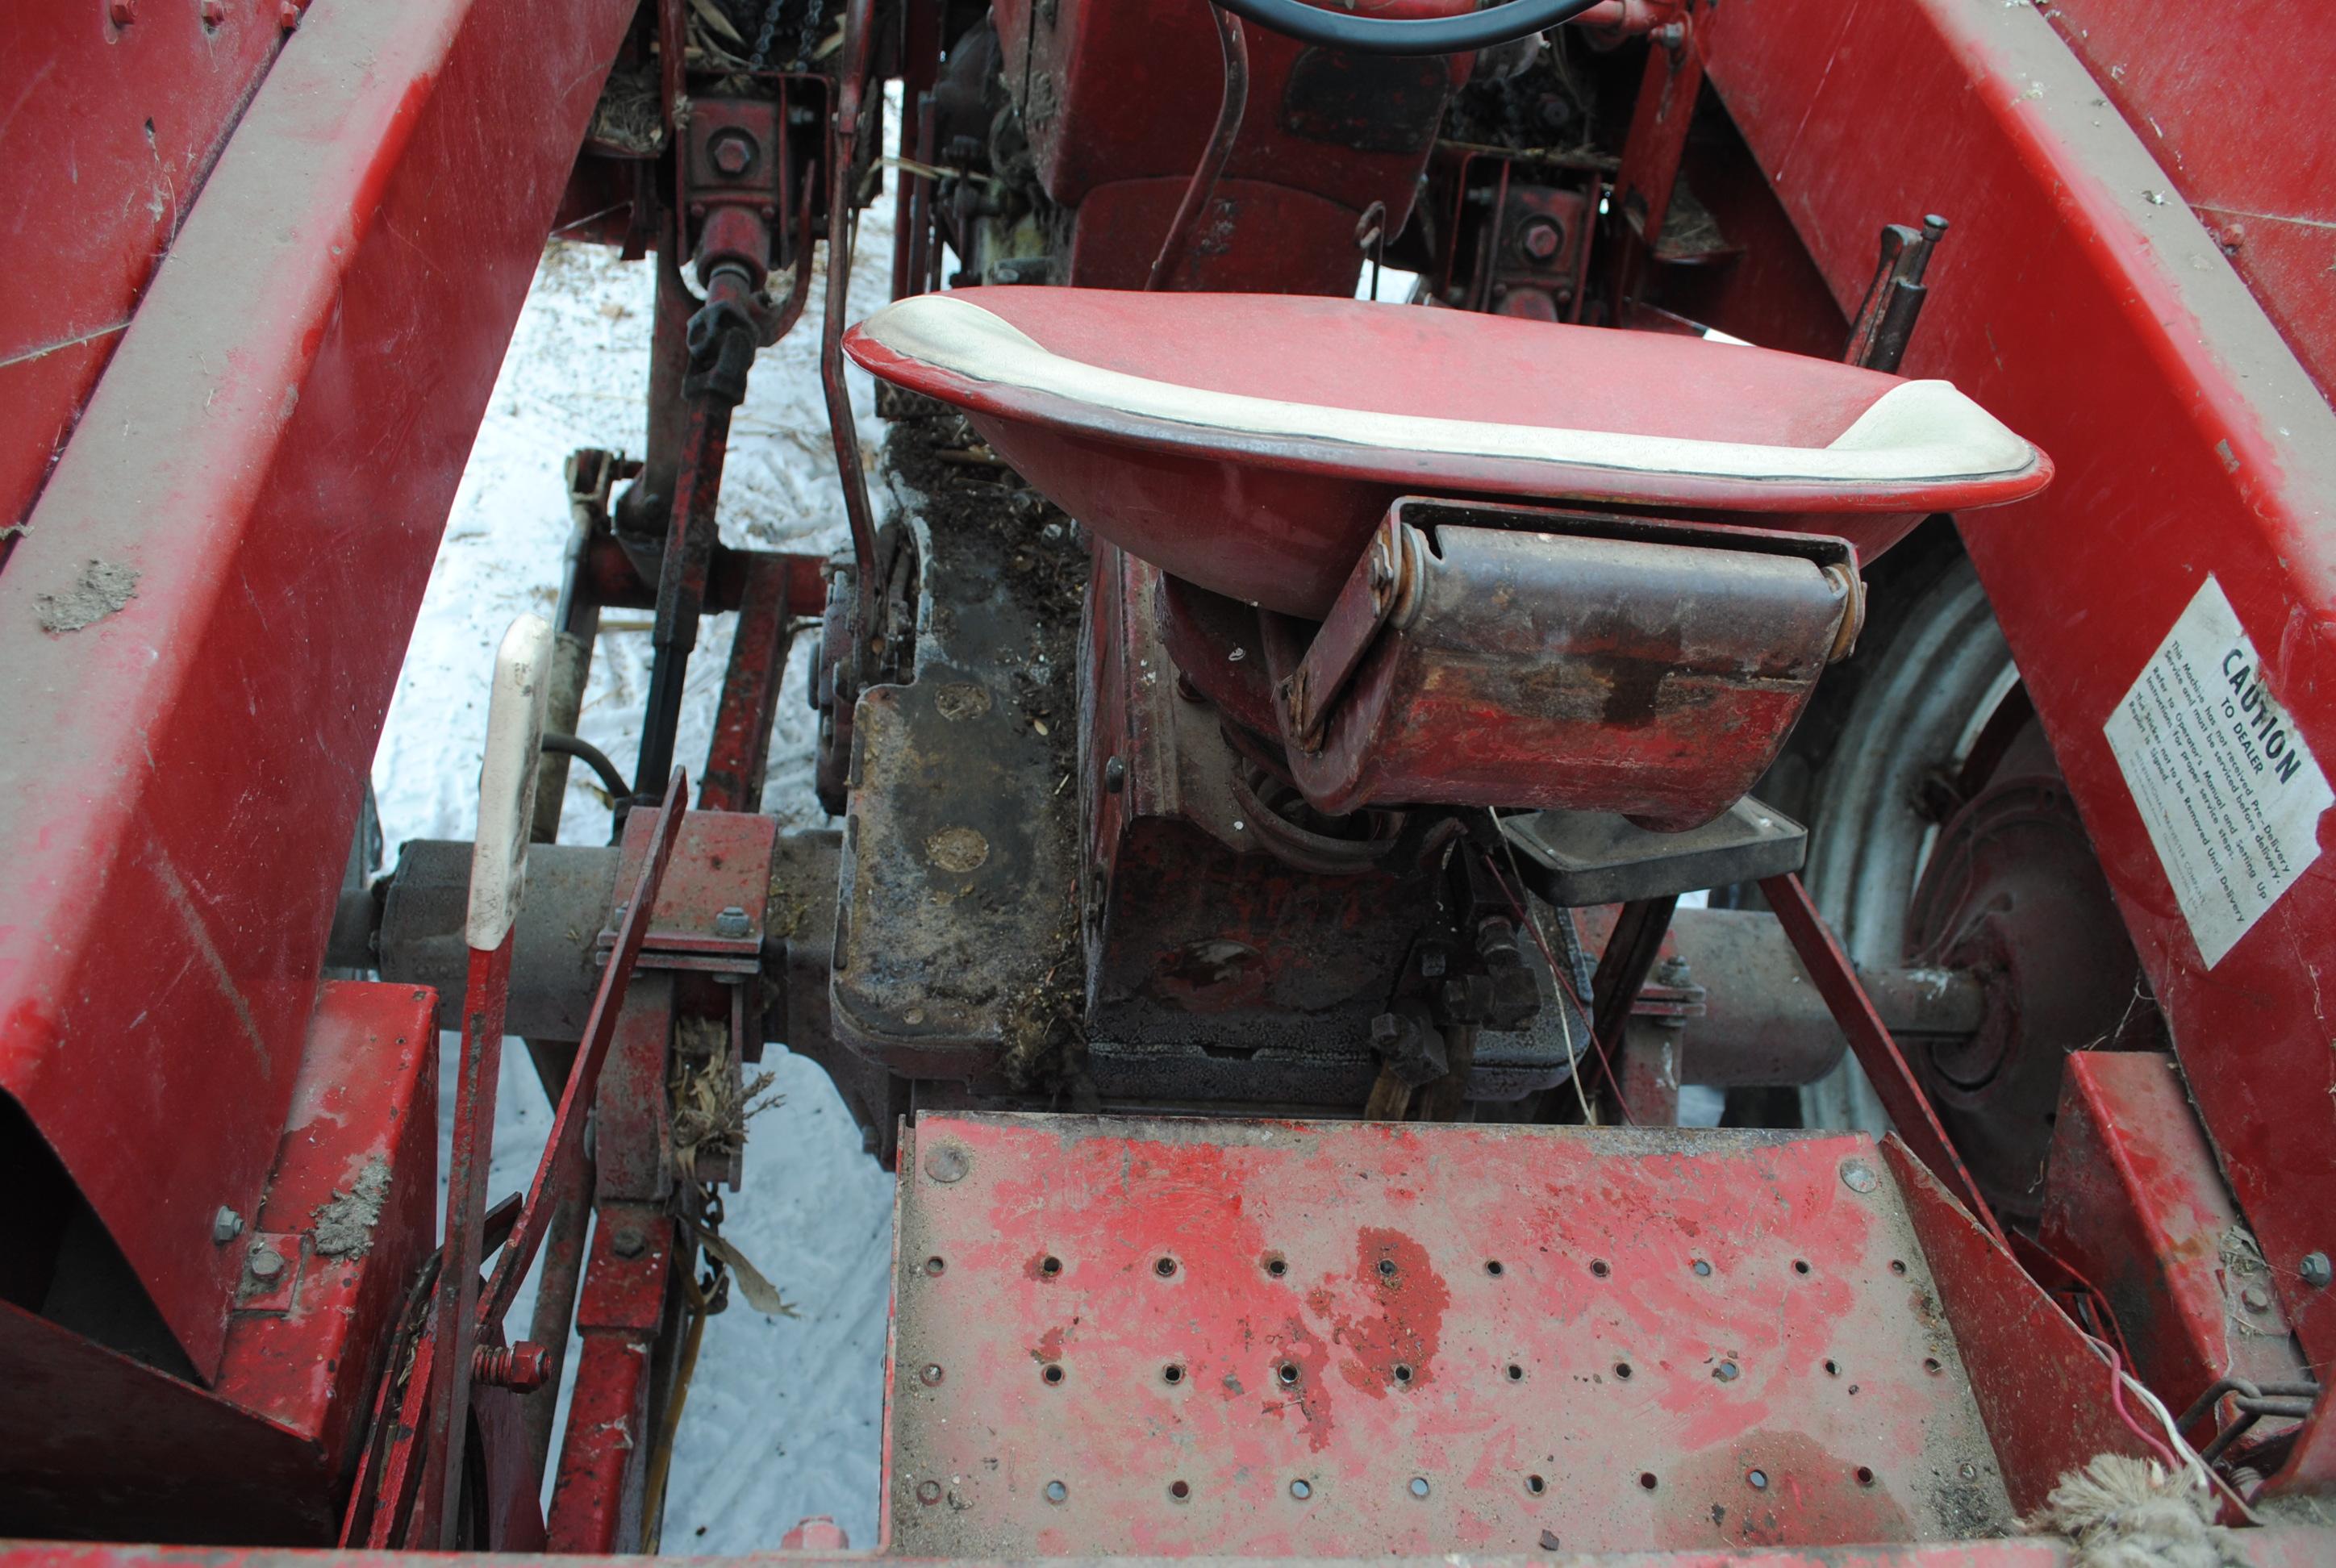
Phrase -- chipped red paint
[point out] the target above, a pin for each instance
(1540, 1313)
(1391, 1346)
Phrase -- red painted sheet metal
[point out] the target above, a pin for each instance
(107, 130)
(92, 1440)
(2134, 1203)
(272, 453)
(1184, 1337)
(2108, 328)
(2277, 1548)
(357, 1172)
(2226, 109)
(2044, 1392)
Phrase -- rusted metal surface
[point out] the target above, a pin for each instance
(1665, 662)
(1372, 1337)
(2134, 1203)
(90, 1438)
(272, 453)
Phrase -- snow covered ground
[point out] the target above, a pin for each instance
(785, 1417)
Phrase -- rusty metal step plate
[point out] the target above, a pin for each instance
(1181, 1336)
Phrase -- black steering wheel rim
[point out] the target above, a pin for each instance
(1489, 28)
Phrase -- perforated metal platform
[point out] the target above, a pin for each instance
(1178, 1337)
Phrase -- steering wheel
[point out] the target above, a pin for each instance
(1502, 24)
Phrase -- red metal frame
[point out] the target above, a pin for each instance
(2135, 1203)
(273, 451)
(107, 143)
(264, 465)
(2187, 439)
(86, 1432)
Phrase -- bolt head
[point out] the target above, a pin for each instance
(1114, 775)
(2255, 1299)
(214, 12)
(226, 1226)
(2316, 1269)
(288, 15)
(628, 1241)
(948, 1162)
(122, 12)
(732, 922)
(732, 153)
(1858, 1176)
(1542, 240)
(264, 1262)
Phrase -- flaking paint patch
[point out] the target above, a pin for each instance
(345, 1220)
(103, 587)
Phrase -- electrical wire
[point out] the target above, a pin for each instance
(1516, 895)
(1462, 34)
(2189, 1464)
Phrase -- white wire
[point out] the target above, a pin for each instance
(1564, 1010)
(2193, 1466)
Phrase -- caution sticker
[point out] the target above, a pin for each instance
(2226, 785)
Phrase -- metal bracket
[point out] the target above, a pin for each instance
(1383, 587)
(709, 913)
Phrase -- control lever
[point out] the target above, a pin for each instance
(1885, 320)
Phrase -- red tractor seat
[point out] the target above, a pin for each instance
(1250, 443)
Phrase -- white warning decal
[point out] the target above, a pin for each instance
(2229, 790)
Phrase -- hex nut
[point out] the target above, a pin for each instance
(2316, 1270)
(226, 1226)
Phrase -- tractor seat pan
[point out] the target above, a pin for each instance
(1250, 443)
